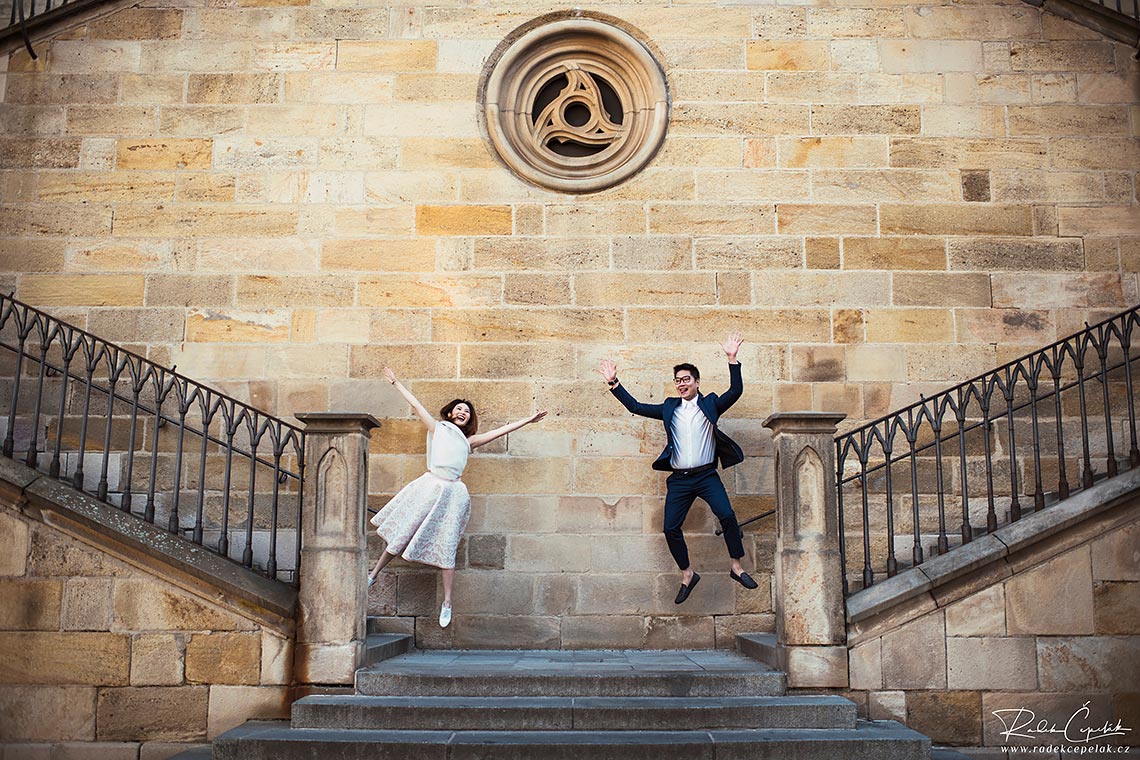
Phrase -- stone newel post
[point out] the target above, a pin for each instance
(331, 603)
(811, 634)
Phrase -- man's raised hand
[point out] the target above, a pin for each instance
(731, 345)
(608, 370)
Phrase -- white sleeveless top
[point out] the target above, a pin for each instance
(447, 451)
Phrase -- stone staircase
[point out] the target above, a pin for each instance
(551, 704)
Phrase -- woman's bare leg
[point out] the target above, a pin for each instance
(448, 580)
(381, 563)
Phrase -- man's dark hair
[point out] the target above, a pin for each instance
(696, 373)
(472, 424)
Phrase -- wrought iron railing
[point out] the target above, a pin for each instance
(150, 441)
(988, 451)
(25, 15)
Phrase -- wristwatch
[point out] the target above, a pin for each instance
(613, 383)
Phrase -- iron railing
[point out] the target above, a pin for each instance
(150, 441)
(998, 446)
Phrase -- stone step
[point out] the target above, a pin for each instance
(869, 740)
(385, 646)
(570, 673)
(572, 713)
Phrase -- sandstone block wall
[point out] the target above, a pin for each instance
(101, 658)
(1046, 629)
(280, 198)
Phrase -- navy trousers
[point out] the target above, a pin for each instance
(682, 491)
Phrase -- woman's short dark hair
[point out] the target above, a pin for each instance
(696, 373)
(472, 424)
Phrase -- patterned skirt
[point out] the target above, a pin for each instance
(425, 520)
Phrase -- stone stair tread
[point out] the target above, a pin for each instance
(571, 673)
(883, 740)
(384, 646)
(577, 713)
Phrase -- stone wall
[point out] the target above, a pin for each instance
(281, 198)
(1048, 629)
(101, 658)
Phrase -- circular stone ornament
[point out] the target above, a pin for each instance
(575, 105)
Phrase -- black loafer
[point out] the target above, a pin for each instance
(684, 591)
(744, 579)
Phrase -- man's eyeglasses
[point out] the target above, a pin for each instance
(682, 379)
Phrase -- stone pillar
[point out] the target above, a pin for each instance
(811, 635)
(334, 559)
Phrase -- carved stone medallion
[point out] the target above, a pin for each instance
(575, 105)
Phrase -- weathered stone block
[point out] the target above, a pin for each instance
(87, 604)
(914, 656)
(714, 120)
(228, 658)
(855, 22)
(972, 22)
(386, 55)
(1116, 606)
(909, 325)
(30, 605)
(463, 220)
(147, 605)
(875, 364)
(231, 706)
(522, 325)
(787, 55)
(604, 289)
(894, 253)
(1116, 555)
(65, 658)
(236, 89)
(947, 717)
(152, 713)
(138, 24)
(980, 614)
(865, 119)
(603, 631)
(82, 289)
(47, 713)
(866, 665)
(1054, 598)
(1080, 121)
(14, 534)
(948, 219)
(887, 705)
(1089, 663)
(1123, 221)
(991, 663)
(821, 253)
(816, 667)
(793, 219)
(1074, 290)
(157, 660)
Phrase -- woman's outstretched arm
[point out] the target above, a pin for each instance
(423, 414)
(478, 440)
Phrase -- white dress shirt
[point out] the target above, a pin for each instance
(693, 444)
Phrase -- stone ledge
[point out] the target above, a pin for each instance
(993, 547)
(192, 567)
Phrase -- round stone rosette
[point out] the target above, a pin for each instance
(575, 105)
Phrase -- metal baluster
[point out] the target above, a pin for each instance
(255, 439)
(1038, 487)
(299, 445)
(23, 329)
(1014, 500)
(967, 530)
(1079, 360)
(159, 397)
(183, 408)
(1126, 344)
(840, 458)
(911, 437)
(888, 448)
(33, 455)
(271, 567)
(77, 475)
(136, 388)
(987, 433)
(868, 574)
(1102, 354)
(1055, 371)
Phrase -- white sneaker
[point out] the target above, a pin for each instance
(371, 581)
(445, 616)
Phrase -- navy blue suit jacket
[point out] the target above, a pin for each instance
(727, 452)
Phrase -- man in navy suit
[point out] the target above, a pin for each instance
(694, 445)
